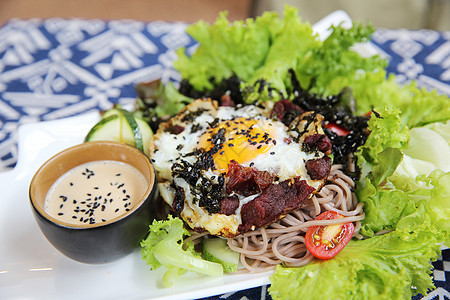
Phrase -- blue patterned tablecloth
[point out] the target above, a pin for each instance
(56, 68)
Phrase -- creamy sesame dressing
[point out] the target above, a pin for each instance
(95, 192)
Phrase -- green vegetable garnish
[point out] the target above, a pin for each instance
(261, 51)
(164, 246)
(391, 266)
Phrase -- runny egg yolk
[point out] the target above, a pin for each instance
(244, 140)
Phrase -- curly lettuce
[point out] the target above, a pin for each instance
(391, 266)
(261, 51)
(164, 246)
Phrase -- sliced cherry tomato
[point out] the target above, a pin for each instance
(325, 242)
(337, 129)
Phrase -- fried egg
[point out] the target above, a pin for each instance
(192, 151)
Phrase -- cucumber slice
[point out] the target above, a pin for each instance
(146, 132)
(134, 127)
(109, 129)
(217, 250)
(129, 127)
(124, 128)
(111, 112)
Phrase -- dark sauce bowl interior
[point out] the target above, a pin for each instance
(103, 242)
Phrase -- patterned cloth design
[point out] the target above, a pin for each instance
(56, 68)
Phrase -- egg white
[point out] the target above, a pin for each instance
(284, 160)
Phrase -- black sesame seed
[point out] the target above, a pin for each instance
(74, 201)
(272, 153)
(60, 214)
(61, 206)
(252, 164)
(118, 174)
(74, 217)
(116, 210)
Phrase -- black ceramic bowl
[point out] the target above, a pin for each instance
(102, 242)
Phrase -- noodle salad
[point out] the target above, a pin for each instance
(395, 197)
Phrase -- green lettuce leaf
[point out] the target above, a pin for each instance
(386, 130)
(157, 99)
(418, 107)
(328, 68)
(261, 52)
(225, 49)
(272, 79)
(165, 246)
(397, 164)
(436, 198)
(391, 266)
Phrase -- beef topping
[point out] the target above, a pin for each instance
(319, 168)
(317, 141)
(229, 205)
(246, 180)
(176, 129)
(274, 202)
(285, 111)
(225, 100)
